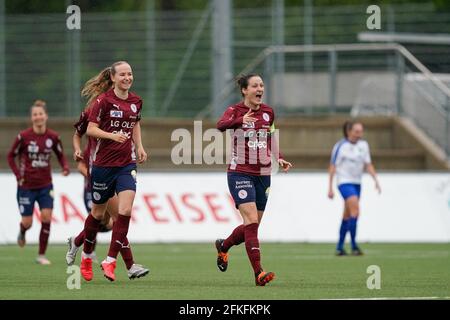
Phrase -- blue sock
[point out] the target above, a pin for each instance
(342, 232)
(352, 227)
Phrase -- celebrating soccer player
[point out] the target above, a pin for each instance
(249, 170)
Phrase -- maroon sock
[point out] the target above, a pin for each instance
(23, 229)
(235, 238)
(126, 253)
(119, 235)
(252, 246)
(79, 239)
(43, 237)
(91, 226)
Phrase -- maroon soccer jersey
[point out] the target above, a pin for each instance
(88, 152)
(113, 114)
(34, 151)
(251, 143)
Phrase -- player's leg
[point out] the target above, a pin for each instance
(340, 251)
(25, 201)
(353, 205)
(45, 201)
(262, 189)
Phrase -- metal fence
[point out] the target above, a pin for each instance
(171, 52)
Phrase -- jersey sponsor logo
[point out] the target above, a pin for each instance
(250, 125)
(242, 194)
(116, 114)
(133, 107)
(33, 147)
(48, 143)
(266, 116)
(255, 144)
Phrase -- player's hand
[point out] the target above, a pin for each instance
(20, 181)
(77, 155)
(377, 187)
(284, 164)
(248, 117)
(142, 155)
(119, 137)
(65, 172)
(331, 194)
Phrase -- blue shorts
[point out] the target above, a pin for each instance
(349, 189)
(87, 196)
(27, 197)
(247, 188)
(106, 181)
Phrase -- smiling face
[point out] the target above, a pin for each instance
(39, 116)
(122, 76)
(355, 133)
(254, 91)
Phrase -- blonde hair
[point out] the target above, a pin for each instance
(39, 103)
(100, 83)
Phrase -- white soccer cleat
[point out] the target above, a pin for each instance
(72, 251)
(41, 259)
(137, 271)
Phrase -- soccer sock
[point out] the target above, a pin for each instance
(79, 239)
(342, 232)
(352, 227)
(43, 237)
(23, 229)
(119, 235)
(91, 226)
(252, 246)
(126, 253)
(235, 238)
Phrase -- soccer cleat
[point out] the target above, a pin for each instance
(222, 257)
(137, 271)
(41, 259)
(72, 251)
(340, 252)
(357, 252)
(108, 270)
(263, 278)
(86, 268)
(21, 239)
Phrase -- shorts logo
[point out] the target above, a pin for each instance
(134, 174)
(266, 116)
(133, 107)
(116, 114)
(96, 196)
(48, 143)
(242, 194)
(267, 192)
(51, 193)
(22, 209)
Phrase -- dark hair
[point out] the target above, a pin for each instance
(100, 83)
(242, 80)
(40, 104)
(348, 125)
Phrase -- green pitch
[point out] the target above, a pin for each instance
(188, 271)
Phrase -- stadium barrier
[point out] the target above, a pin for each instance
(196, 207)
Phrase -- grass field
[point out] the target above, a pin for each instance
(188, 271)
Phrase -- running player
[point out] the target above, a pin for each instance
(249, 170)
(114, 122)
(34, 147)
(349, 158)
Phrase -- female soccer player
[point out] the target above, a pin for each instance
(84, 165)
(349, 158)
(34, 147)
(114, 122)
(249, 170)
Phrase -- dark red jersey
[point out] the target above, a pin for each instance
(34, 151)
(88, 152)
(113, 114)
(251, 143)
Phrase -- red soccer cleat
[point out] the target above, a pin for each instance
(263, 278)
(86, 268)
(108, 270)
